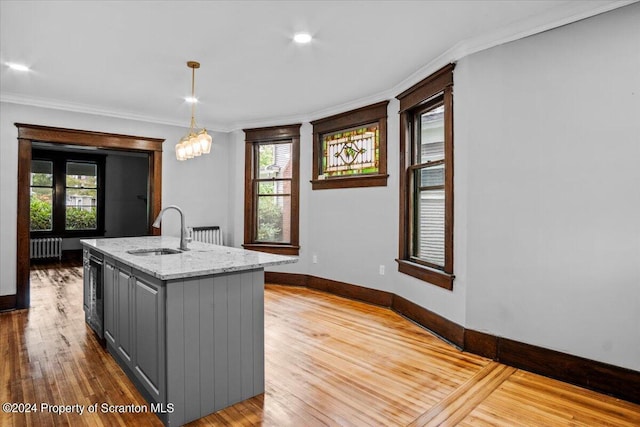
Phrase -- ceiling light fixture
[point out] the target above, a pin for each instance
(193, 144)
(302, 38)
(18, 67)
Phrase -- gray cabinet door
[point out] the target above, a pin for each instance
(123, 324)
(149, 336)
(86, 289)
(109, 292)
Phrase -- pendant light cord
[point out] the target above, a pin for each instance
(193, 99)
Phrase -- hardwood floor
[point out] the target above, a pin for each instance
(329, 361)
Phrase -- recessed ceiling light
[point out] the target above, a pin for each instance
(191, 99)
(18, 67)
(302, 38)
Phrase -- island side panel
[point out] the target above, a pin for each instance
(234, 352)
(246, 335)
(258, 331)
(175, 351)
(213, 344)
(207, 377)
(220, 332)
(193, 326)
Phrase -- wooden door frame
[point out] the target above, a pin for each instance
(27, 135)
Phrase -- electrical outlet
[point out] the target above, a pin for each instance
(314, 258)
(382, 270)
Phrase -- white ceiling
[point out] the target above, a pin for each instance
(128, 59)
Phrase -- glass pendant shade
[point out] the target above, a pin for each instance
(205, 140)
(180, 152)
(188, 149)
(193, 144)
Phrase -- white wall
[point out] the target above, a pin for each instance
(552, 128)
(199, 186)
(353, 231)
(547, 196)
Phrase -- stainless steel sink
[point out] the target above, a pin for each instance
(154, 252)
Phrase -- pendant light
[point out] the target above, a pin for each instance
(193, 144)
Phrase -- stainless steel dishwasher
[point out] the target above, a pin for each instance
(96, 304)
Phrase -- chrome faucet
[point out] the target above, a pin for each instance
(183, 230)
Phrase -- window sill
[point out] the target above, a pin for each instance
(350, 182)
(68, 234)
(273, 248)
(433, 276)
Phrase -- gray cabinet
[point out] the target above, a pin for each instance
(109, 303)
(134, 325)
(148, 336)
(118, 308)
(86, 294)
(123, 315)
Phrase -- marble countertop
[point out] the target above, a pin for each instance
(202, 259)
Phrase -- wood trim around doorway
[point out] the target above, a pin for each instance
(27, 135)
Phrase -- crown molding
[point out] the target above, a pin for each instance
(309, 117)
(30, 101)
(577, 11)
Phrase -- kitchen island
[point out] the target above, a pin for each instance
(187, 327)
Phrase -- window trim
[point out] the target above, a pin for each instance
(375, 113)
(59, 160)
(274, 134)
(413, 101)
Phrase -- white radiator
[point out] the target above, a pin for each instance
(209, 234)
(48, 247)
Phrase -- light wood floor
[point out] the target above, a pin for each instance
(329, 361)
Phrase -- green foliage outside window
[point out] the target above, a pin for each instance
(76, 202)
(40, 214)
(76, 218)
(269, 213)
(81, 219)
(269, 220)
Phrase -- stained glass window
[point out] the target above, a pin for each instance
(350, 149)
(351, 152)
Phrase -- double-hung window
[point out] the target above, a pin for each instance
(81, 195)
(41, 195)
(426, 182)
(67, 197)
(271, 189)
